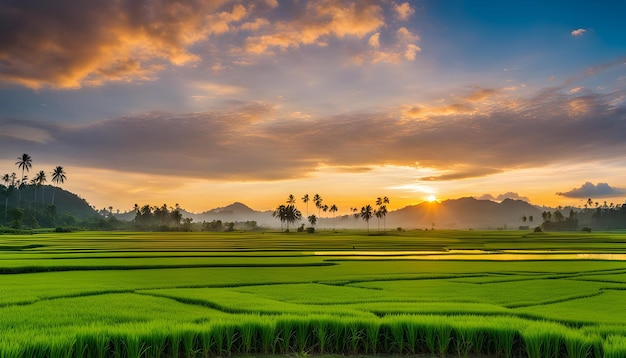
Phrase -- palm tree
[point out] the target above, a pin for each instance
(25, 162)
(7, 179)
(40, 179)
(366, 214)
(317, 199)
(279, 213)
(378, 215)
(58, 176)
(333, 209)
(305, 199)
(292, 215)
(312, 219)
(291, 199)
(287, 213)
(380, 202)
(33, 182)
(382, 212)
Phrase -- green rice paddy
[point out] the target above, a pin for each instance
(102, 294)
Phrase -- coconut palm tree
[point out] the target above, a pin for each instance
(287, 213)
(305, 199)
(317, 199)
(40, 179)
(58, 176)
(7, 179)
(291, 199)
(292, 215)
(378, 215)
(333, 209)
(25, 162)
(383, 213)
(279, 213)
(312, 219)
(366, 214)
(380, 202)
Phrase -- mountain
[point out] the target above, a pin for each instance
(235, 208)
(466, 213)
(234, 212)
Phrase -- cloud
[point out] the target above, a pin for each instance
(411, 52)
(464, 173)
(74, 43)
(70, 44)
(578, 32)
(318, 21)
(403, 11)
(590, 190)
(263, 141)
(374, 40)
(471, 101)
(216, 89)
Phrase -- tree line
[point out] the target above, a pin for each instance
(289, 214)
(605, 216)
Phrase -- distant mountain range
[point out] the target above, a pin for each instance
(467, 213)
(463, 213)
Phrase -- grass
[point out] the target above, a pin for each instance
(95, 294)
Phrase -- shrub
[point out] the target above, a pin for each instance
(586, 229)
(67, 229)
(538, 229)
(310, 230)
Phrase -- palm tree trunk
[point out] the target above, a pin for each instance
(53, 190)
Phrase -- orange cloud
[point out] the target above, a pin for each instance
(72, 44)
(403, 11)
(320, 19)
(403, 48)
(374, 40)
(476, 101)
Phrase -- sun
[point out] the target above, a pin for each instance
(431, 199)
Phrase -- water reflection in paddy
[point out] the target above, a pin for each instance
(501, 255)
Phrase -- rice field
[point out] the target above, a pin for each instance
(102, 294)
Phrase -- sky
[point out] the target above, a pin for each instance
(203, 103)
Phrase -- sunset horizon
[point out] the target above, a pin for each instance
(206, 103)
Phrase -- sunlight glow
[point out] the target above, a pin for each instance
(431, 198)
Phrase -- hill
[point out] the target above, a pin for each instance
(234, 212)
(37, 209)
(466, 213)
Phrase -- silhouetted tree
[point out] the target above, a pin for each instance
(366, 214)
(383, 213)
(305, 199)
(40, 180)
(25, 162)
(333, 209)
(287, 213)
(58, 176)
(317, 199)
